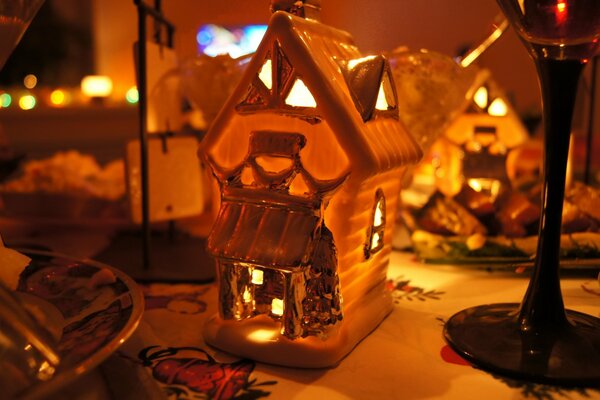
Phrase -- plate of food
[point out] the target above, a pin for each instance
(88, 308)
(68, 187)
(472, 228)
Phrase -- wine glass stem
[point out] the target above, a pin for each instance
(542, 305)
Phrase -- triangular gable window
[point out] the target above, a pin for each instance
(381, 103)
(266, 74)
(300, 96)
(481, 97)
(496, 107)
(371, 86)
(277, 86)
(253, 97)
(385, 97)
(259, 90)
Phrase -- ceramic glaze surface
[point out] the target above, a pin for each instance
(309, 152)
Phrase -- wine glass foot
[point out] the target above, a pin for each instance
(489, 337)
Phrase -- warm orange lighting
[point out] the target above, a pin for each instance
(300, 96)
(381, 103)
(481, 97)
(277, 307)
(265, 74)
(375, 239)
(561, 11)
(57, 97)
(275, 164)
(247, 296)
(353, 63)
(262, 335)
(486, 185)
(96, 86)
(30, 81)
(27, 102)
(498, 108)
(378, 218)
(257, 276)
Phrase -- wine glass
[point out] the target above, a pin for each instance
(538, 339)
(15, 17)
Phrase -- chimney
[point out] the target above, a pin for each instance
(309, 9)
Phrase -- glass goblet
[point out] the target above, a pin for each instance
(538, 339)
(15, 17)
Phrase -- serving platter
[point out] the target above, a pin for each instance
(90, 308)
(579, 251)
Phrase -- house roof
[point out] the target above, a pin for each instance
(317, 52)
(263, 234)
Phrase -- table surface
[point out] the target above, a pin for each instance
(405, 357)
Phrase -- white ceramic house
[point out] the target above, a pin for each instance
(309, 152)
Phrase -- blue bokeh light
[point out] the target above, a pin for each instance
(236, 41)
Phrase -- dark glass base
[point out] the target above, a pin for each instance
(489, 337)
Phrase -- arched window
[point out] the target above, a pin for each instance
(376, 230)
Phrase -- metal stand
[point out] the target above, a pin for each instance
(174, 256)
(155, 12)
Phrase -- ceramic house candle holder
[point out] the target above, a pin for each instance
(476, 145)
(309, 153)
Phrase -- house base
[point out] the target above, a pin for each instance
(260, 339)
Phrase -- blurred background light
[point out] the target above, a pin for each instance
(30, 81)
(96, 86)
(236, 41)
(5, 100)
(132, 96)
(27, 102)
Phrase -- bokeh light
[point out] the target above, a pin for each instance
(30, 81)
(5, 100)
(96, 86)
(132, 96)
(27, 102)
(58, 97)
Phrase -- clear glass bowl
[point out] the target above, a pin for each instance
(27, 351)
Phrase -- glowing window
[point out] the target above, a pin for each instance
(277, 307)
(375, 240)
(385, 96)
(275, 164)
(481, 97)
(378, 217)
(257, 276)
(498, 108)
(266, 74)
(381, 103)
(490, 187)
(247, 296)
(377, 228)
(300, 96)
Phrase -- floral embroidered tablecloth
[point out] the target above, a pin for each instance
(404, 358)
